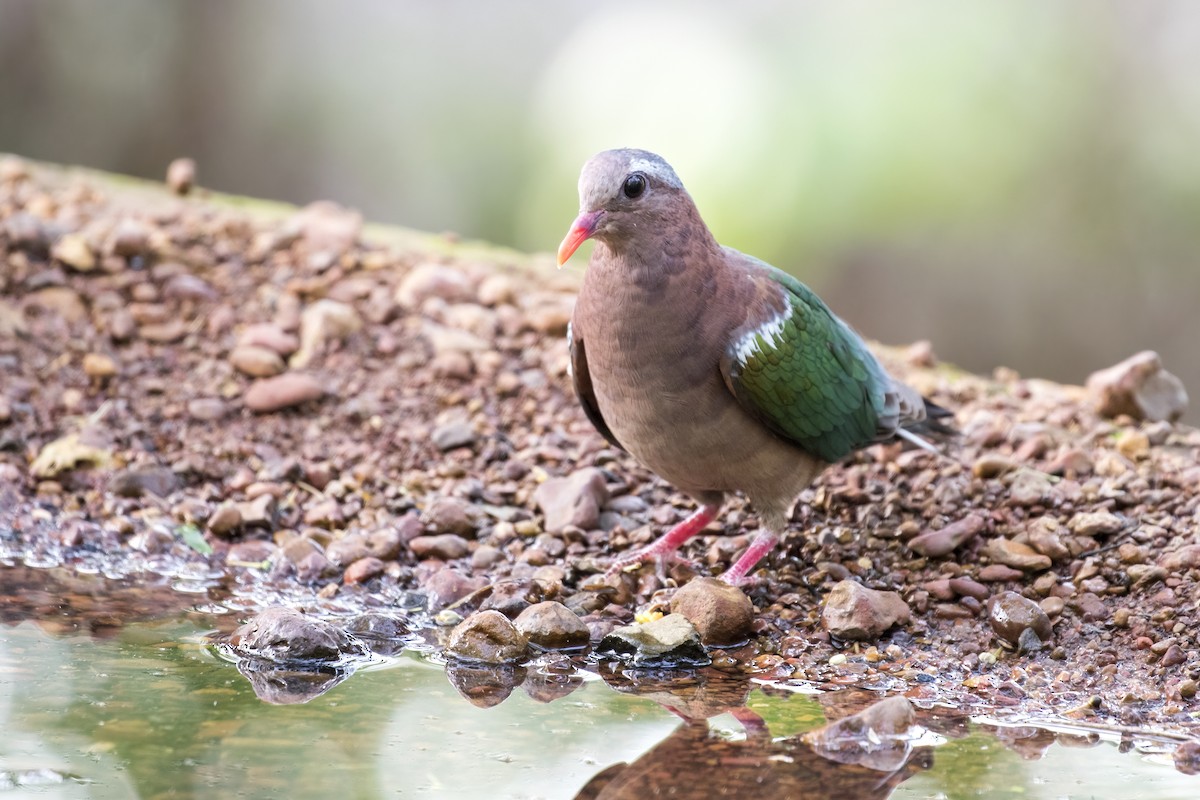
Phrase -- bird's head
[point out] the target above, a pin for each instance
(619, 192)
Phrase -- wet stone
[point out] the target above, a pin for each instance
(853, 611)
(552, 626)
(511, 597)
(670, 641)
(721, 614)
(284, 634)
(878, 737)
(1011, 614)
(487, 637)
(447, 586)
(363, 570)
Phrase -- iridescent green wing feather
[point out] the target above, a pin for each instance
(806, 375)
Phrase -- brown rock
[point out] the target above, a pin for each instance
(163, 332)
(282, 391)
(1140, 388)
(1095, 523)
(852, 611)
(721, 613)
(489, 638)
(258, 362)
(992, 465)
(1016, 555)
(446, 546)
(1010, 614)
(181, 175)
(74, 251)
(207, 409)
(99, 366)
(363, 570)
(1177, 561)
(1045, 536)
(225, 519)
(1028, 488)
(138, 481)
(348, 549)
(270, 336)
(433, 280)
(61, 300)
(448, 585)
(999, 573)
(552, 626)
(936, 543)
(284, 634)
(450, 515)
(323, 322)
(574, 500)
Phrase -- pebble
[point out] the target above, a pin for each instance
(853, 611)
(552, 626)
(74, 251)
(447, 586)
(937, 543)
(575, 500)
(207, 409)
(445, 546)
(139, 481)
(1010, 614)
(487, 637)
(283, 391)
(1016, 555)
(284, 635)
(363, 570)
(453, 434)
(1095, 523)
(992, 465)
(1138, 387)
(270, 336)
(258, 362)
(99, 366)
(1045, 536)
(181, 175)
(323, 322)
(61, 300)
(163, 332)
(349, 548)
(999, 573)
(1028, 488)
(186, 286)
(722, 614)
(669, 641)
(451, 515)
(432, 280)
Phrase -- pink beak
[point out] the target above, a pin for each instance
(582, 229)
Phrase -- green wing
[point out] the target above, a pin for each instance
(806, 375)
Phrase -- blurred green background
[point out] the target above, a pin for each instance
(1016, 180)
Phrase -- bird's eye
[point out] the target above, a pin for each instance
(635, 185)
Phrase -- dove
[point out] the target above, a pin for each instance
(712, 368)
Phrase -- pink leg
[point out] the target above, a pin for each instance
(762, 544)
(669, 542)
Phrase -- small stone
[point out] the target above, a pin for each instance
(445, 546)
(487, 637)
(327, 227)
(1010, 614)
(163, 332)
(448, 586)
(937, 543)
(74, 251)
(258, 362)
(363, 570)
(253, 552)
(1134, 445)
(285, 635)
(283, 391)
(1028, 488)
(992, 465)
(61, 300)
(270, 336)
(965, 587)
(181, 175)
(999, 573)
(669, 641)
(1140, 388)
(99, 366)
(1178, 561)
(575, 500)
(186, 286)
(1045, 536)
(207, 409)
(1174, 656)
(138, 481)
(326, 513)
(1095, 523)
(131, 237)
(1053, 606)
(552, 626)
(450, 515)
(722, 614)
(852, 611)
(225, 519)
(433, 280)
(452, 434)
(348, 549)
(323, 322)
(1016, 555)
(879, 738)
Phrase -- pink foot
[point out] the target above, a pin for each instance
(663, 549)
(762, 544)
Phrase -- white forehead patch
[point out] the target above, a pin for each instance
(658, 168)
(771, 332)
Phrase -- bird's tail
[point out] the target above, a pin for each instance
(918, 432)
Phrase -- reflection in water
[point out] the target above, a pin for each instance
(145, 710)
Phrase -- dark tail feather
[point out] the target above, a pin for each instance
(933, 424)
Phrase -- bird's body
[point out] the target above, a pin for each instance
(715, 370)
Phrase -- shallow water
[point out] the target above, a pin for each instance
(148, 710)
